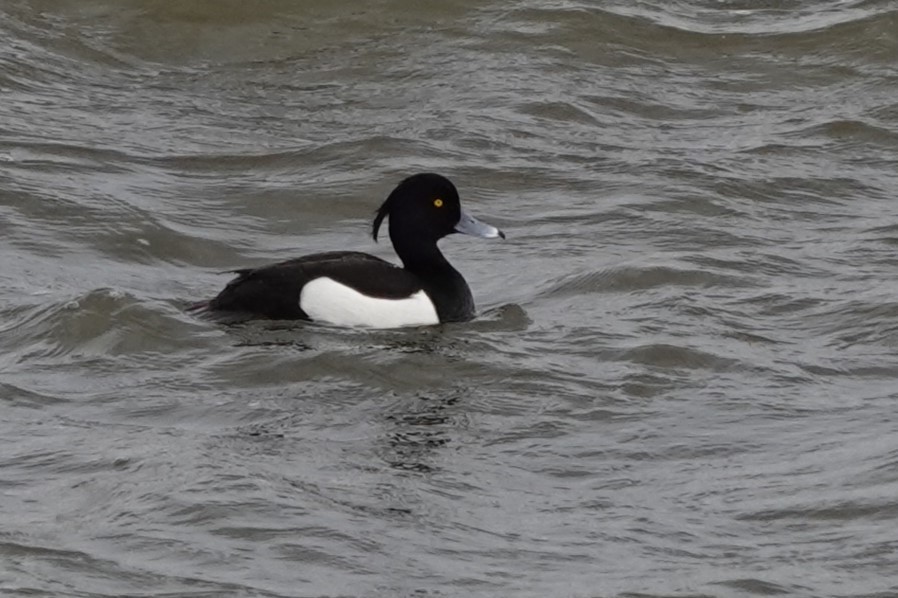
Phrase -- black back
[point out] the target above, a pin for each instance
(273, 291)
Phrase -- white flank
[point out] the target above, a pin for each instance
(326, 300)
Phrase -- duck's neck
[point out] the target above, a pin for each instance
(421, 258)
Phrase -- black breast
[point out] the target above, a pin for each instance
(450, 294)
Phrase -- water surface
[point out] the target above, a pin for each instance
(682, 378)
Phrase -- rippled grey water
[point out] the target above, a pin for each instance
(682, 381)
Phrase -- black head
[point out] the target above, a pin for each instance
(423, 206)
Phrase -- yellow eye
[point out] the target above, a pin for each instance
(438, 203)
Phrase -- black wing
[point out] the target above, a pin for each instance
(273, 291)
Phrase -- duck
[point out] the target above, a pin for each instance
(355, 289)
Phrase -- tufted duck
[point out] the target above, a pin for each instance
(350, 288)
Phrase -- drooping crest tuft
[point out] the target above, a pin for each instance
(381, 214)
(387, 205)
